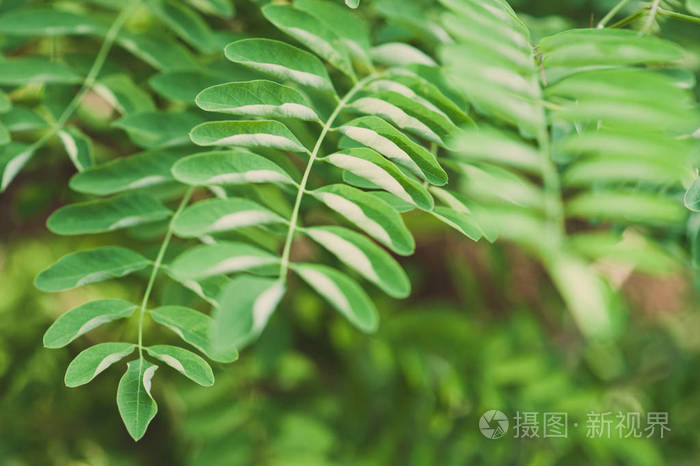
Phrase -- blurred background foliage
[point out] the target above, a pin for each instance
(483, 329)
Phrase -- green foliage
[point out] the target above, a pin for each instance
(565, 144)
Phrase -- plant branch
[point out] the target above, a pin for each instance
(611, 14)
(157, 264)
(681, 16)
(652, 16)
(284, 263)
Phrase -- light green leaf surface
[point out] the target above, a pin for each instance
(13, 157)
(185, 23)
(94, 265)
(35, 70)
(85, 318)
(78, 147)
(134, 400)
(261, 133)
(158, 129)
(185, 362)
(47, 22)
(217, 259)
(90, 362)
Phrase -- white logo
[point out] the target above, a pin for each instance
(493, 424)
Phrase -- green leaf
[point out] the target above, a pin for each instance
(90, 362)
(47, 22)
(126, 173)
(262, 133)
(232, 167)
(136, 405)
(161, 52)
(463, 222)
(186, 362)
(343, 293)
(352, 31)
(371, 166)
(85, 318)
(193, 327)
(35, 70)
(222, 8)
(187, 24)
(375, 217)
(22, 119)
(352, 3)
(282, 61)
(692, 196)
(400, 54)
(183, 86)
(485, 144)
(5, 103)
(102, 215)
(217, 215)
(4, 135)
(78, 147)
(246, 304)
(379, 135)
(256, 98)
(219, 259)
(627, 207)
(158, 129)
(693, 6)
(365, 257)
(123, 94)
(13, 157)
(83, 267)
(312, 33)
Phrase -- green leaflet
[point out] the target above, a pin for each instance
(123, 211)
(83, 267)
(485, 144)
(47, 22)
(256, 98)
(365, 257)
(692, 196)
(35, 70)
(371, 166)
(85, 318)
(193, 327)
(352, 3)
(126, 173)
(223, 8)
(246, 304)
(693, 6)
(352, 31)
(217, 215)
(636, 207)
(375, 217)
(123, 94)
(280, 60)
(463, 222)
(183, 86)
(78, 147)
(90, 362)
(400, 54)
(232, 167)
(22, 119)
(219, 259)
(262, 133)
(5, 103)
(312, 33)
(160, 51)
(379, 135)
(4, 135)
(343, 293)
(13, 156)
(187, 24)
(186, 362)
(158, 129)
(134, 400)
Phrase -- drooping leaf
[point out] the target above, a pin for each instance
(85, 318)
(246, 304)
(256, 98)
(13, 156)
(193, 327)
(47, 22)
(371, 166)
(364, 256)
(35, 70)
(343, 293)
(158, 129)
(217, 215)
(216, 259)
(379, 135)
(377, 218)
(280, 60)
(90, 362)
(230, 167)
(98, 216)
(78, 147)
(260, 133)
(134, 400)
(83, 267)
(186, 362)
(126, 173)
(312, 33)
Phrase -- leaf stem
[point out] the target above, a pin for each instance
(652, 16)
(157, 264)
(681, 16)
(611, 14)
(284, 263)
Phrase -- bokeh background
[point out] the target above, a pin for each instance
(483, 329)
